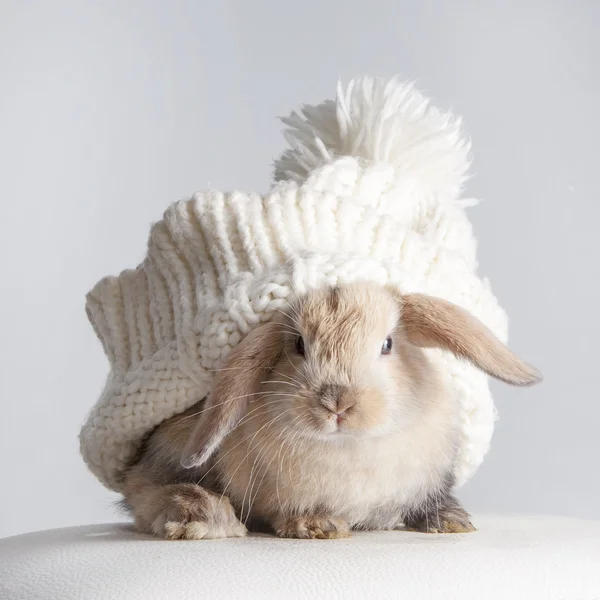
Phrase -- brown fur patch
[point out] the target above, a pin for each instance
(180, 511)
(160, 493)
(314, 527)
(240, 379)
(334, 322)
(433, 322)
(440, 514)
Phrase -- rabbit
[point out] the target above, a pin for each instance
(329, 418)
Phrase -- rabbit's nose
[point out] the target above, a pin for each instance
(336, 398)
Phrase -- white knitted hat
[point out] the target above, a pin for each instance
(369, 190)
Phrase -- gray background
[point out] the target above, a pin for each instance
(111, 110)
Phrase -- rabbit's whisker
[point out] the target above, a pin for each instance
(250, 447)
(251, 500)
(245, 419)
(262, 453)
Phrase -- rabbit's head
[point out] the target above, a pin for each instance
(346, 362)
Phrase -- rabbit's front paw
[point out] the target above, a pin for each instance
(193, 513)
(318, 527)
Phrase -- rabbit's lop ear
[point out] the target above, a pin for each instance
(235, 384)
(432, 322)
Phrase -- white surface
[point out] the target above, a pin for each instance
(507, 559)
(109, 110)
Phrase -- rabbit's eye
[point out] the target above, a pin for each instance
(300, 345)
(386, 348)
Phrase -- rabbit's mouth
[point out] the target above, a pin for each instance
(336, 423)
(342, 423)
(347, 424)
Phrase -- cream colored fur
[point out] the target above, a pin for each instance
(320, 437)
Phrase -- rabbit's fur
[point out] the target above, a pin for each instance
(316, 426)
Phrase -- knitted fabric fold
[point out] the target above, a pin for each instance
(370, 190)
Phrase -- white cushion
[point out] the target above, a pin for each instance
(508, 558)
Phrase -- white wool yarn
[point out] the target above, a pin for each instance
(368, 190)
